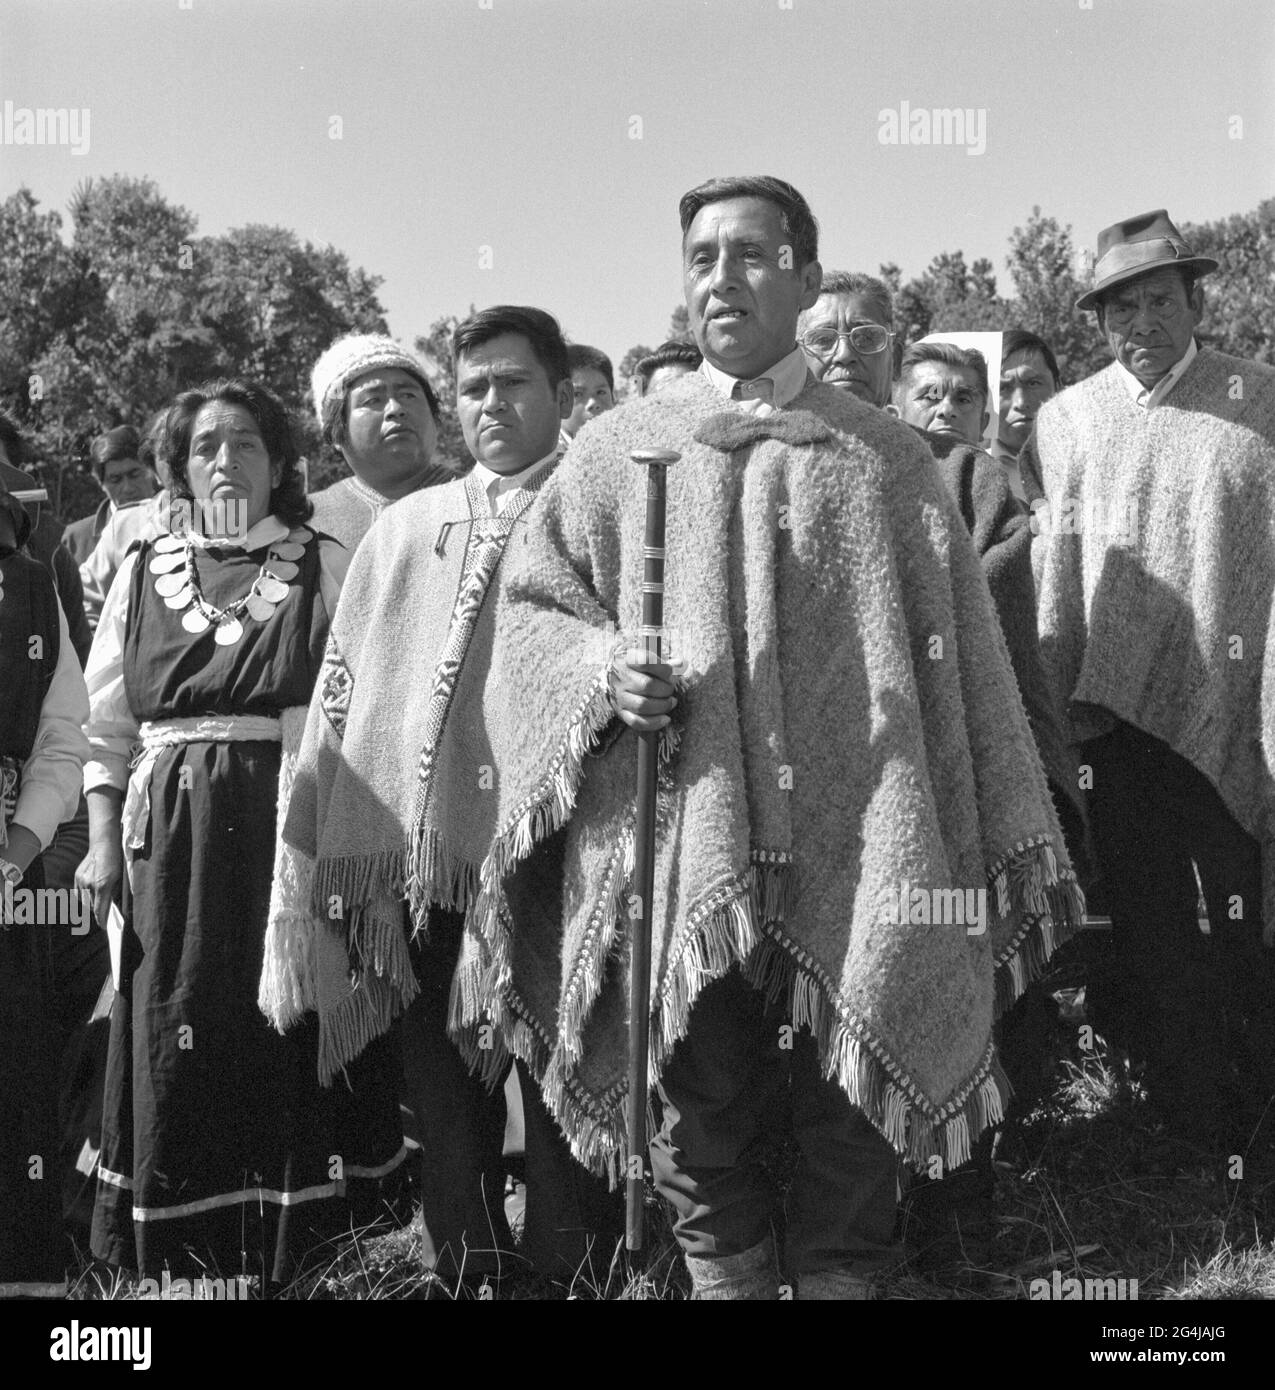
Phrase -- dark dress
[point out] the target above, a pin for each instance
(220, 1151)
(31, 1256)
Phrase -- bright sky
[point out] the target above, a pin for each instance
(534, 150)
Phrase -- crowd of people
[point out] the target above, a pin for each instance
(348, 779)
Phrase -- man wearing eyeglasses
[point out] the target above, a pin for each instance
(847, 336)
(1155, 482)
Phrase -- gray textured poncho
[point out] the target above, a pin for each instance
(1156, 548)
(850, 775)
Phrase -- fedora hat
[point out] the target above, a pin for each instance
(1135, 246)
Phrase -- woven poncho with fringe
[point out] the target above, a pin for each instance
(392, 783)
(849, 749)
(1156, 549)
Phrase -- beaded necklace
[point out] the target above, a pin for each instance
(177, 583)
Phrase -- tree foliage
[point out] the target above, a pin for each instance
(1239, 299)
(104, 325)
(436, 348)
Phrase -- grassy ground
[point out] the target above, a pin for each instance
(1090, 1185)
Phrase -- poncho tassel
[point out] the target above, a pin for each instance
(436, 877)
(288, 986)
(916, 1129)
(358, 1020)
(1028, 879)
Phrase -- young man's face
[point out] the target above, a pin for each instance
(128, 480)
(943, 400)
(509, 413)
(863, 374)
(592, 396)
(1026, 384)
(743, 288)
(390, 432)
(1149, 322)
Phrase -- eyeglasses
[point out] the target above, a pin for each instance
(866, 338)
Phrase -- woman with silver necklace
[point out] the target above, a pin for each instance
(220, 1152)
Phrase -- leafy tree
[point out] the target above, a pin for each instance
(1045, 268)
(436, 348)
(138, 307)
(949, 295)
(1239, 298)
(679, 328)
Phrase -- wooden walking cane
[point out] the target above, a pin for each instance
(657, 462)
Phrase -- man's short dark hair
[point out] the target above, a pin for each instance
(123, 442)
(1018, 340)
(288, 500)
(798, 221)
(540, 330)
(11, 437)
(868, 287)
(949, 355)
(671, 354)
(582, 355)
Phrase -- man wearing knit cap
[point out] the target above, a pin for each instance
(843, 750)
(376, 406)
(1154, 487)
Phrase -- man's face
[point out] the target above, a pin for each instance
(592, 396)
(1149, 321)
(743, 288)
(390, 432)
(1026, 384)
(127, 480)
(943, 400)
(663, 377)
(509, 413)
(862, 374)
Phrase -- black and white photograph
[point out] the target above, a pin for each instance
(633, 667)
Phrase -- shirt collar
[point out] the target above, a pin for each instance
(498, 486)
(788, 375)
(268, 530)
(1150, 397)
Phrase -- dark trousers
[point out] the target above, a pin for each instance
(733, 1094)
(32, 1262)
(81, 965)
(1198, 1010)
(571, 1219)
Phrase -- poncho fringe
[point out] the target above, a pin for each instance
(739, 923)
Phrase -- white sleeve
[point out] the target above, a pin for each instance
(112, 726)
(51, 775)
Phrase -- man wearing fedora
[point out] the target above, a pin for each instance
(1153, 490)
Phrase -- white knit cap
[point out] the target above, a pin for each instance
(350, 357)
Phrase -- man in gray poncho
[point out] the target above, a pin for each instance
(857, 860)
(1153, 489)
